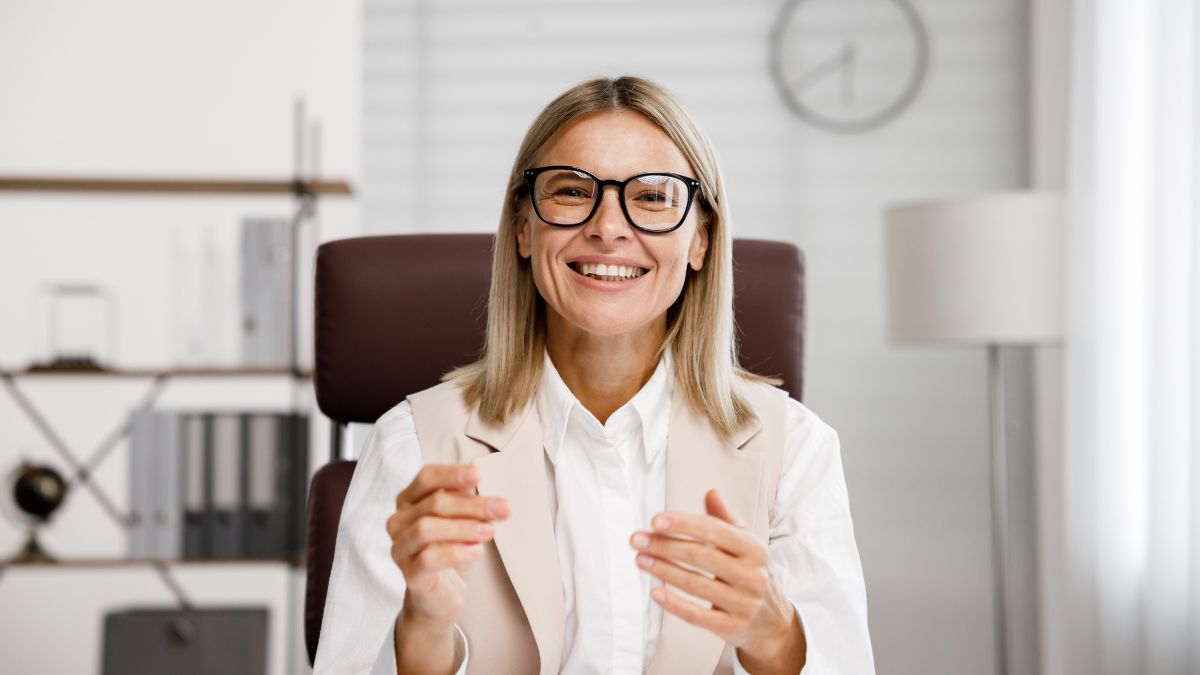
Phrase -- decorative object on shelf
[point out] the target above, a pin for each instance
(986, 270)
(195, 297)
(80, 329)
(848, 65)
(36, 492)
(266, 252)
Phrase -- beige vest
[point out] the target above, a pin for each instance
(513, 616)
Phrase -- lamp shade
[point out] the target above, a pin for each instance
(980, 270)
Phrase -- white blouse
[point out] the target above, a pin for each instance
(608, 479)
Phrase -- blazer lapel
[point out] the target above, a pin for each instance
(698, 460)
(525, 541)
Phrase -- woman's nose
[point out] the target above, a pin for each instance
(609, 220)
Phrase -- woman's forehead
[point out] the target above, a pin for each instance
(615, 145)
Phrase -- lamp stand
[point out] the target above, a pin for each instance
(999, 453)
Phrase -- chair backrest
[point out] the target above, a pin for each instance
(394, 312)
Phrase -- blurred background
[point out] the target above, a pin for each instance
(168, 170)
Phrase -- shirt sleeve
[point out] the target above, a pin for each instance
(812, 551)
(366, 588)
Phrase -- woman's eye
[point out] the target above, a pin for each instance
(571, 192)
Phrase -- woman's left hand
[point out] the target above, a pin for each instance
(749, 609)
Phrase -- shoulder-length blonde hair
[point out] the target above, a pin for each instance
(700, 324)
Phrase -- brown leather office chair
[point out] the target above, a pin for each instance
(395, 312)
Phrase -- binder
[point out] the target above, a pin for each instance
(267, 527)
(226, 521)
(293, 453)
(219, 485)
(192, 482)
(266, 291)
(166, 514)
(141, 434)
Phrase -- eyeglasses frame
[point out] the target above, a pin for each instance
(692, 184)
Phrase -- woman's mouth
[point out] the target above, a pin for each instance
(604, 272)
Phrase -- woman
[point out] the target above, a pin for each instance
(597, 493)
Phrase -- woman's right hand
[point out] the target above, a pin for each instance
(438, 530)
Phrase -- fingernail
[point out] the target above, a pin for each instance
(485, 529)
(644, 561)
(662, 523)
(640, 540)
(467, 475)
(498, 508)
(658, 594)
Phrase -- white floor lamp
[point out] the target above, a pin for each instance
(985, 270)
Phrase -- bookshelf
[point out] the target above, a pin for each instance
(156, 373)
(304, 191)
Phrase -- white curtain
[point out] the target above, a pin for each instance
(1131, 471)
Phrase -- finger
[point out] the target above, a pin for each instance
(429, 530)
(432, 477)
(709, 529)
(437, 557)
(715, 504)
(457, 505)
(713, 620)
(444, 504)
(719, 593)
(698, 555)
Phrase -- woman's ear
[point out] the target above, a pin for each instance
(524, 246)
(699, 246)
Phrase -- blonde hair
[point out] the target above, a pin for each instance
(700, 323)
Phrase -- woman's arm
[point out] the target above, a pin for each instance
(366, 588)
(812, 552)
(797, 604)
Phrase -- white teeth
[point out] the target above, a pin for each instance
(603, 270)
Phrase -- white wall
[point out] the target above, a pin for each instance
(149, 89)
(452, 85)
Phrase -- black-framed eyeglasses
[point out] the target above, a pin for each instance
(655, 202)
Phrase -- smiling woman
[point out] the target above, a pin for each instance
(606, 489)
(635, 136)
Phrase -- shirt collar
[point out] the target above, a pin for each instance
(558, 407)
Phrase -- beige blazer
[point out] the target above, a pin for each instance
(513, 616)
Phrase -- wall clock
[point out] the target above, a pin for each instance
(848, 65)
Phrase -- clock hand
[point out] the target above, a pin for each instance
(823, 68)
(848, 81)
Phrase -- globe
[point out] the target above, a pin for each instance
(39, 490)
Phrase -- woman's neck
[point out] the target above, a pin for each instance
(603, 371)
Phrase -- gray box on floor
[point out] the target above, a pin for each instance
(185, 642)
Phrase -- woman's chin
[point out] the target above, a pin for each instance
(605, 325)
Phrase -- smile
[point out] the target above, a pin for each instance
(602, 272)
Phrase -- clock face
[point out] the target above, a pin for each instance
(848, 65)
